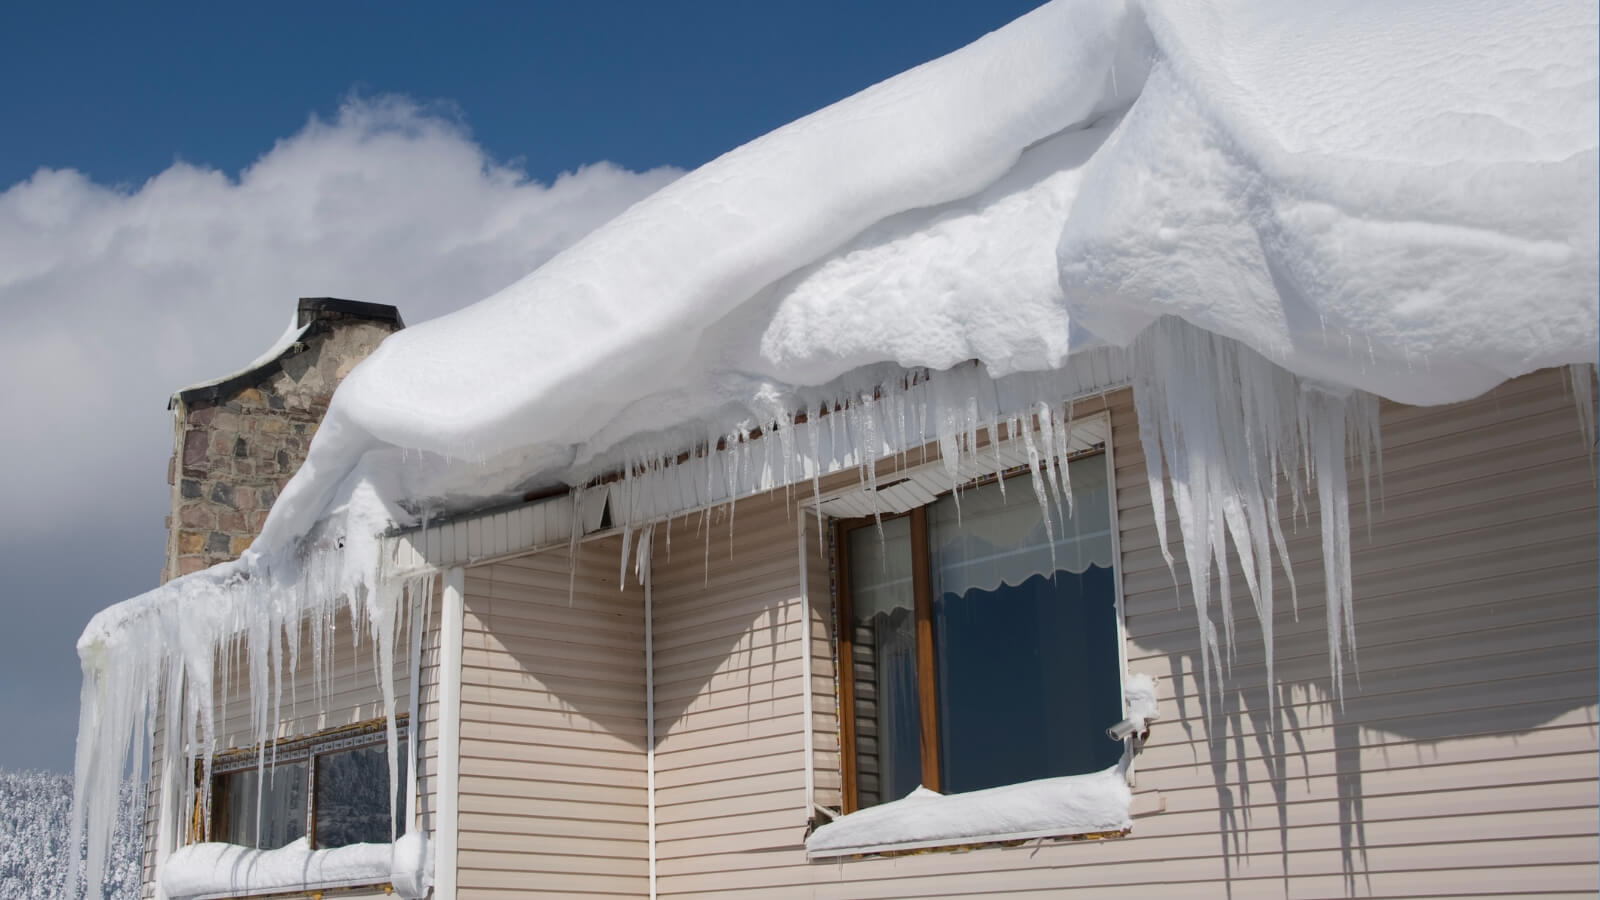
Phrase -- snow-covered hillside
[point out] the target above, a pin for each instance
(34, 809)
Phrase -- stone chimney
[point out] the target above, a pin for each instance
(237, 440)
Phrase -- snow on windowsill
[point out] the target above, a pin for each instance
(1093, 803)
(216, 870)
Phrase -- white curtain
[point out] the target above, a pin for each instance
(984, 539)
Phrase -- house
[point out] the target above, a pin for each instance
(845, 570)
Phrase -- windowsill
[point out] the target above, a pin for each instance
(211, 871)
(1094, 804)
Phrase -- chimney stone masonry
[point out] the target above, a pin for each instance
(237, 440)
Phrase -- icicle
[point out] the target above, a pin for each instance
(740, 446)
(816, 468)
(1047, 437)
(572, 543)
(1221, 423)
(994, 444)
(627, 525)
(1581, 378)
(1064, 441)
(1327, 420)
(1039, 494)
(641, 564)
(971, 422)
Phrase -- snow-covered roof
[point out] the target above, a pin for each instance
(1261, 208)
(1399, 200)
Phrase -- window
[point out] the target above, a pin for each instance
(981, 651)
(332, 788)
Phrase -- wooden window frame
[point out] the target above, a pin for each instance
(309, 748)
(922, 594)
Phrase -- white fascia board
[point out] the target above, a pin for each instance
(492, 534)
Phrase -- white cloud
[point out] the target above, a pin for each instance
(111, 298)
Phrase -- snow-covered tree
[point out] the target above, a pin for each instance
(34, 861)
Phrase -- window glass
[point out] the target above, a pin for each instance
(883, 663)
(1025, 634)
(265, 810)
(353, 797)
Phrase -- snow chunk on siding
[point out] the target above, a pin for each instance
(1140, 695)
(212, 869)
(1072, 804)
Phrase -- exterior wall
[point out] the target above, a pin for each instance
(235, 448)
(1461, 764)
(553, 801)
(353, 696)
(728, 635)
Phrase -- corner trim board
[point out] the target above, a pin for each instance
(450, 638)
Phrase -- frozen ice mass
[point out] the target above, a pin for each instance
(1265, 216)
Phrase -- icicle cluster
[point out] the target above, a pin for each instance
(167, 661)
(969, 416)
(1224, 425)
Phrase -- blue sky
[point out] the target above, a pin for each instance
(121, 91)
(173, 177)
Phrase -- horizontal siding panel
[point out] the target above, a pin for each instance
(1542, 881)
(487, 700)
(507, 679)
(505, 771)
(550, 862)
(586, 739)
(513, 715)
(552, 792)
(930, 875)
(536, 791)
(788, 780)
(577, 649)
(491, 827)
(1543, 594)
(473, 883)
(551, 754)
(1566, 733)
(622, 672)
(763, 738)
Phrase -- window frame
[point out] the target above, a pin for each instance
(927, 699)
(211, 797)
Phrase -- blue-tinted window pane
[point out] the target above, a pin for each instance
(1025, 635)
(353, 797)
(883, 663)
(265, 811)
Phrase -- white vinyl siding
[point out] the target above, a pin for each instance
(1463, 763)
(552, 790)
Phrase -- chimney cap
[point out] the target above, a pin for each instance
(312, 309)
